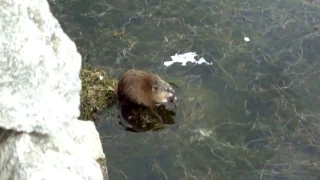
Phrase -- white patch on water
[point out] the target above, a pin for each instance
(246, 39)
(184, 58)
(201, 134)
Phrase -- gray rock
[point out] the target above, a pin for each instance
(35, 156)
(40, 136)
(84, 134)
(39, 66)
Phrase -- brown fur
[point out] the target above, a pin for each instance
(137, 86)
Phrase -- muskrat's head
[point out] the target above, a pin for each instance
(162, 92)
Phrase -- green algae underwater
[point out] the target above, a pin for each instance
(252, 114)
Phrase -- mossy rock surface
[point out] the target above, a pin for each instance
(98, 92)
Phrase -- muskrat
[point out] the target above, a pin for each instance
(143, 88)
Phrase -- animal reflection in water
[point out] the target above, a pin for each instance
(142, 98)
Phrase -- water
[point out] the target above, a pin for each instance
(253, 114)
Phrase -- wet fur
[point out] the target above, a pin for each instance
(142, 88)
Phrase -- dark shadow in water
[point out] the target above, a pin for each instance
(136, 118)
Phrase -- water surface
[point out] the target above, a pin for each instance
(252, 114)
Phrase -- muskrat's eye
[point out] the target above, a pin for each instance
(154, 87)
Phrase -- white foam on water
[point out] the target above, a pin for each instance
(184, 58)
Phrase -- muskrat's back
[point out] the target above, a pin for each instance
(144, 88)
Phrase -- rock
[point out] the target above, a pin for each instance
(35, 156)
(40, 136)
(84, 133)
(39, 68)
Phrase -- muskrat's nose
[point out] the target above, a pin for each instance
(172, 99)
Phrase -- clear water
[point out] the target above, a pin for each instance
(252, 114)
